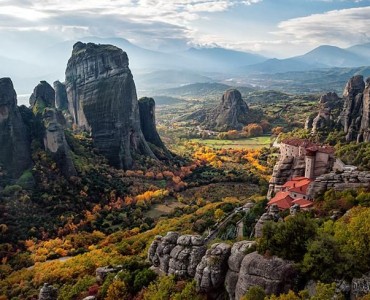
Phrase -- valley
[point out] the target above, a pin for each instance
(189, 192)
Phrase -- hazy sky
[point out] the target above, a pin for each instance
(271, 27)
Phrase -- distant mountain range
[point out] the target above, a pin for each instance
(154, 70)
(319, 58)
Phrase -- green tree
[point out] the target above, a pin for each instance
(324, 260)
(254, 293)
(288, 239)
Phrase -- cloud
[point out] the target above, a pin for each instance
(152, 22)
(338, 27)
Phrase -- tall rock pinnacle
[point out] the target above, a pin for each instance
(102, 99)
(15, 154)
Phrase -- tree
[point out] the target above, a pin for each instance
(288, 239)
(324, 260)
(117, 290)
(219, 214)
(254, 293)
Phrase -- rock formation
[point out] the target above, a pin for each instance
(232, 113)
(339, 181)
(148, 127)
(48, 292)
(43, 105)
(350, 117)
(238, 252)
(222, 267)
(271, 215)
(211, 271)
(102, 99)
(61, 99)
(364, 134)
(44, 94)
(274, 275)
(178, 255)
(55, 141)
(15, 153)
(324, 119)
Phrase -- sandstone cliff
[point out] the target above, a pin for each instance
(43, 105)
(222, 268)
(15, 153)
(102, 99)
(43, 95)
(61, 100)
(324, 119)
(149, 129)
(339, 181)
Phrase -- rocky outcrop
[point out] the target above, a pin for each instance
(350, 117)
(211, 271)
(222, 268)
(238, 252)
(149, 129)
(360, 286)
(43, 99)
(44, 95)
(286, 167)
(339, 181)
(364, 134)
(55, 141)
(274, 275)
(48, 292)
(102, 99)
(324, 118)
(271, 215)
(177, 255)
(231, 113)
(61, 99)
(15, 153)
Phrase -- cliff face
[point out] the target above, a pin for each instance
(149, 129)
(220, 268)
(324, 118)
(43, 99)
(350, 117)
(44, 94)
(15, 155)
(61, 100)
(365, 121)
(232, 113)
(102, 99)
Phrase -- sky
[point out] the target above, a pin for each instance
(275, 28)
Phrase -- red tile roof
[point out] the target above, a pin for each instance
(282, 200)
(303, 203)
(298, 185)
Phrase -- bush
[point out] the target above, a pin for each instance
(255, 293)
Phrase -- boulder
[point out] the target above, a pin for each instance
(102, 99)
(211, 271)
(48, 292)
(274, 275)
(238, 252)
(15, 141)
(186, 256)
(360, 286)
